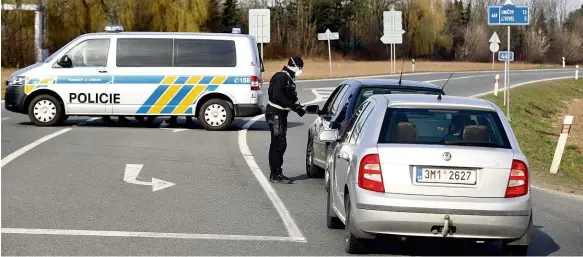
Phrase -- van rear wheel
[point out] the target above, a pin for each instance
(46, 110)
(215, 114)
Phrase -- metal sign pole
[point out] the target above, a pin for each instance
(508, 88)
(329, 55)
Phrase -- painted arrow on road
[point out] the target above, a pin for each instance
(132, 171)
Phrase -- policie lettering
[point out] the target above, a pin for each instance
(93, 98)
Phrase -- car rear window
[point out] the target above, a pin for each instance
(443, 127)
(366, 92)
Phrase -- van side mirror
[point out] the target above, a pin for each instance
(313, 109)
(65, 62)
(328, 135)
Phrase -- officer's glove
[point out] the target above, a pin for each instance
(300, 110)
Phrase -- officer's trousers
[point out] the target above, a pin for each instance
(277, 122)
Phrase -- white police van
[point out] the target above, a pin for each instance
(214, 77)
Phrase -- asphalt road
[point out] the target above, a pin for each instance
(65, 193)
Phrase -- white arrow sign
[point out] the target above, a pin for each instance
(132, 171)
(328, 35)
(494, 38)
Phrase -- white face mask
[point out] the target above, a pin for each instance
(298, 73)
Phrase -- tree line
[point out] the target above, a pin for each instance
(434, 29)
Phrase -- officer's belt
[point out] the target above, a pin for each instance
(278, 107)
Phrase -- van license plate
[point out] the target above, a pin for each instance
(446, 176)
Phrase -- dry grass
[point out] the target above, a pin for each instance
(316, 69)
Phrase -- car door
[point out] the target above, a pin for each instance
(83, 85)
(344, 152)
(321, 148)
(323, 121)
(143, 81)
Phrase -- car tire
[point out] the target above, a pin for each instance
(46, 110)
(332, 221)
(353, 245)
(215, 114)
(515, 250)
(312, 170)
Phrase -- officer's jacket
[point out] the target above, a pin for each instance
(282, 89)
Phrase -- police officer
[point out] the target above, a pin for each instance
(282, 99)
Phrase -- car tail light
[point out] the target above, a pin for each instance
(255, 83)
(518, 182)
(370, 176)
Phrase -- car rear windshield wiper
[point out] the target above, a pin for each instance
(470, 143)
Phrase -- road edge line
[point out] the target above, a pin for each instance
(32, 145)
(521, 84)
(290, 225)
(73, 232)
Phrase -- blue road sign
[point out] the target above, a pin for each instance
(502, 55)
(508, 15)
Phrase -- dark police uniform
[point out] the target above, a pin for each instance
(282, 99)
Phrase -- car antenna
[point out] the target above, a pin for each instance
(439, 96)
(401, 76)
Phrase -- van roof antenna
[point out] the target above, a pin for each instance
(401, 76)
(439, 96)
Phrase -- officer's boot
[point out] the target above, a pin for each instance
(278, 177)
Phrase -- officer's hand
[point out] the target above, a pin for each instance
(300, 110)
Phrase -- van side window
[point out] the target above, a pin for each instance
(204, 53)
(144, 52)
(90, 53)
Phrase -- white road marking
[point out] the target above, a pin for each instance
(522, 84)
(132, 171)
(34, 144)
(477, 76)
(70, 232)
(6, 118)
(175, 130)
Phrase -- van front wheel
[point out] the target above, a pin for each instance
(46, 110)
(215, 114)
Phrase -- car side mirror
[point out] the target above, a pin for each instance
(328, 135)
(313, 109)
(65, 62)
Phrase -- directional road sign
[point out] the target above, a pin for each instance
(259, 25)
(508, 14)
(502, 55)
(328, 35)
(494, 47)
(392, 27)
(494, 38)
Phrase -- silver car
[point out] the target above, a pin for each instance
(429, 166)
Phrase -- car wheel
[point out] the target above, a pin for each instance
(46, 110)
(332, 221)
(515, 250)
(216, 114)
(312, 170)
(353, 245)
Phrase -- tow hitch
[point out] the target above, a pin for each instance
(445, 229)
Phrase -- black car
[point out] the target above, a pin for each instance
(339, 107)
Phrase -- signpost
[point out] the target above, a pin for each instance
(494, 46)
(260, 26)
(39, 32)
(508, 15)
(392, 32)
(328, 35)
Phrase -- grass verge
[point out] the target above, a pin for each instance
(537, 113)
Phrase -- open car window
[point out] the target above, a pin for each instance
(443, 127)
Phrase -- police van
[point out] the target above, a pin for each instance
(211, 76)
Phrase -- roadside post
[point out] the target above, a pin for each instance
(260, 26)
(506, 57)
(508, 15)
(563, 62)
(392, 33)
(413, 65)
(494, 45)
(565, 129)
(40, 13)
(577, 71)
(496, 84)
(328, 35)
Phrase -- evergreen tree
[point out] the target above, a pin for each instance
(230, 15)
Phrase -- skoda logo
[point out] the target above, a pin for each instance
(447, 156)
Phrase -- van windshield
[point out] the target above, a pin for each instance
(443, 127)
